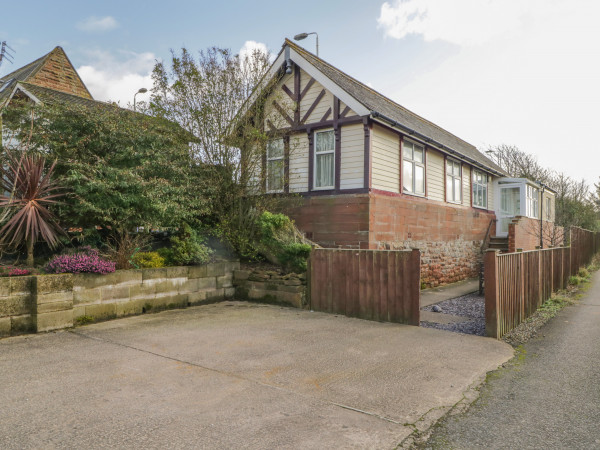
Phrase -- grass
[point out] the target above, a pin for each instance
(83, 320)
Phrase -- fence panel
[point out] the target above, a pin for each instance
(378, 285)
(517, 284)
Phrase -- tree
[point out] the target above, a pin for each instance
(122, 169)
(205, 96)
(517, 163)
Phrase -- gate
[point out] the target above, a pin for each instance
(380, 285)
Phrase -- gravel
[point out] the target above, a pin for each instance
(470, 306)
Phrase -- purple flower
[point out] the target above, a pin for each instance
(85, 260)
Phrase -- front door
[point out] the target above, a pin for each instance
(510, 206)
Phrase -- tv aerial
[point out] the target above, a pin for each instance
(6, 52)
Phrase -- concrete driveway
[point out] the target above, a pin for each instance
(234, 375)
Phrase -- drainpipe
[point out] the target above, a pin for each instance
(542, 216)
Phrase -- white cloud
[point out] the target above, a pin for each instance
(117, 77)
(250, 47)
(95, 24)
(532, 82)
(462, 22)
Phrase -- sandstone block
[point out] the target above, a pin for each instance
(197, 271)
(196, 297)
(177, 272)
(16, 305)
(83, 295)
(53, 283)
(22, 324)
(225, 281)
(115, 292)
(21, 285)
(4, 287)
(101, 311)
(55, 320)
(5, 326)
(240, 275)
(151, 274)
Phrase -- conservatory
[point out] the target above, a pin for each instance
(521, 197)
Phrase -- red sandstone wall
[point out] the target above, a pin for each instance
(524, 233)
(334, 221)
(449, 237)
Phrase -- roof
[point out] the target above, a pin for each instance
(383, 109)
(26, 71)
(47, 95)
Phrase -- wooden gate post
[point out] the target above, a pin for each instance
(415, 287)
(491, 293)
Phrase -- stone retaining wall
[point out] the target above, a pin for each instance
(271, 287)
(49, 302)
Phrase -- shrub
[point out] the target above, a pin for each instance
(86, 260)
(583, 273)
(574, 280)
(147, 260)
(189, 248)
(279, 238)
(11, 271)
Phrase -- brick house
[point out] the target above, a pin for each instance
(49, 78)
(373, 174)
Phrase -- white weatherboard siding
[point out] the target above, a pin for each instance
(352, 166)
(434, 175)
(299, 163)
(306, 102)
(466, 188)
(282, 100)
(385, 148)
(490, 188)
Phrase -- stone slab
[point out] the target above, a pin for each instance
(54, 320)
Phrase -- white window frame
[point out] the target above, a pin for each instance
(276, 158)
(328, 152)
(407, 143)
(450, 181)
(533, 206)
(476, 185)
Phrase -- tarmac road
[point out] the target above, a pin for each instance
(549, 397)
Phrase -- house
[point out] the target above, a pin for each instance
(374, 175)
(51, 78)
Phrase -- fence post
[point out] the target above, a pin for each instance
(492, 313)
(415, 287)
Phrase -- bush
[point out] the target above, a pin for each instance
(279, 238)
(85, 260)
(188, 248)
(11, 271)
(574, 280)
(147, 260)
(583, 273)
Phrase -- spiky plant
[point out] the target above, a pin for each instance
(26, 191)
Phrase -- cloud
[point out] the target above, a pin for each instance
(461, 22)
(118, 76)
(250, 47)
(97, 24)
(525, 82)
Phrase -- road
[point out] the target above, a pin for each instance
(548, 397)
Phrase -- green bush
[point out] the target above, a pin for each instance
(147, 260)
(583, 273)
(574, 280)
(279, 238)
(188, 248)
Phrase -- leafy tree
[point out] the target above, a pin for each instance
(205, 96)
(123, 169)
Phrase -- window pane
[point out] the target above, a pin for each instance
(457, 189)
(449, 193)
(407, 150)
(275, 175)
(418, 154)
(484, 196)
(275, 148)
(419, 179)
(325, 141)
(324, 171)
(407, 176)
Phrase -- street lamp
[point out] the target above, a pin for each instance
(301, 36)
(141, 91)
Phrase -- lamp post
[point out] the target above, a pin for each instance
(141, 91)
(301, 36)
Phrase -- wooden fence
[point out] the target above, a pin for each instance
(517, 284)
(378, 285)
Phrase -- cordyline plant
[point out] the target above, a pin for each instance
(27, 190)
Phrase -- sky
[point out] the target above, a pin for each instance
(515, 72)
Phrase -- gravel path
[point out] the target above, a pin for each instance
(470, 306)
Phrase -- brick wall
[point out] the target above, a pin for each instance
(449, 237)
(334, 221)
(524, 233)
(57, 73)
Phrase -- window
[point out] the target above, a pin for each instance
(548, 209)
(532, 202)
(275, 152)
(324, 159)
(480, 181)
(413, 168)
(453, 181)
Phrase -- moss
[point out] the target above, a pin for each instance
(83, 320)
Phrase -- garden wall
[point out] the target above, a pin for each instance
(271, 287)
(49, 302)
